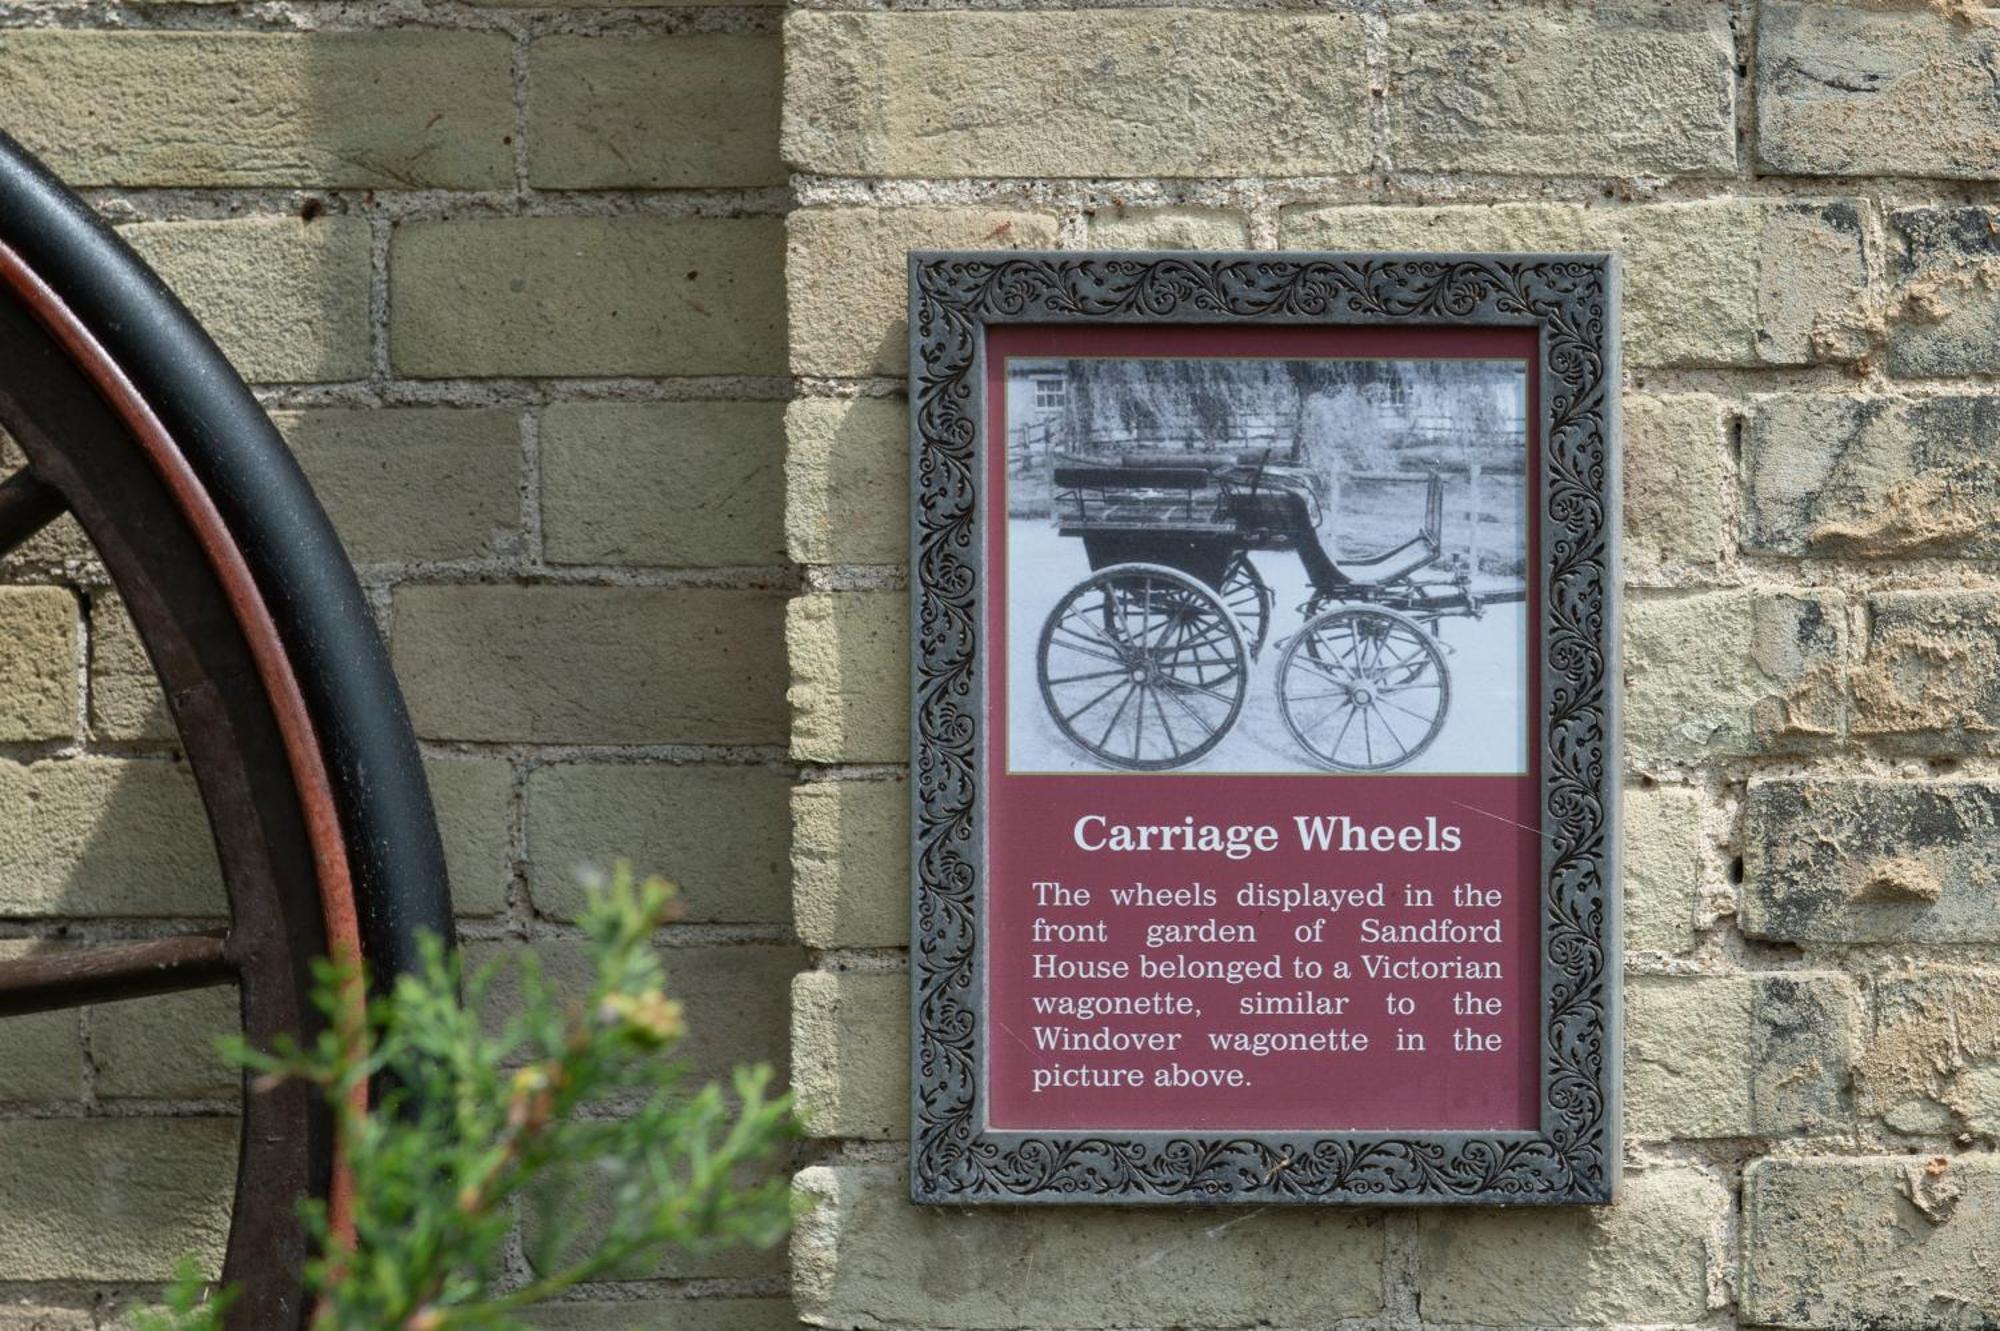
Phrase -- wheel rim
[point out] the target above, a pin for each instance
(1142, 667)
(1249, 600)
(1363, 690)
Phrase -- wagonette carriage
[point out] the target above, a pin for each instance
(1145, 664)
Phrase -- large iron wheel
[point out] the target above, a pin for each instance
(288, 715)
(1142, 667)
(1249, 599)
(1363, 690)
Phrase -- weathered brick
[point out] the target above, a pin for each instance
(1728, 674)
(1930, 1060)
(104, 836)
(847, 480)
(1889, 1242)
(29, 1314)
(37, 664)
(664, 483)
(413, 484)
(612, 665)
(1647, 1259)
(164, 1048)
(853, 1254)
(1170, 229)
(850, 691)
(851, 863)
(1927, 678)
(286, 300)
(587, 296)
(719, 833)
(1738, 1055)
(700, 1314)
(915, 94)
(1872, 477)
(126, 701)
(1713, 282)
(614, 4)
(113, 1199)
(1635, 89)
(1676, 446)
(851, 1054)
(653, 112)
(1864, 89)
(41, 1056)
(1944, 264)
(1867, 860)
(471, 796)
(848, 278)
(1662, 844)
(395, 109)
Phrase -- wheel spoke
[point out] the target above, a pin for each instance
(53, 980)
(1121, 683)
(27, 504)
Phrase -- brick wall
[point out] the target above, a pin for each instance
(1813, 1083)
(509, 277)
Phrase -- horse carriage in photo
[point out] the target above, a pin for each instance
(1145, 664)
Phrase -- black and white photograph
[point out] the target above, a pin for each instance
(1255, 565)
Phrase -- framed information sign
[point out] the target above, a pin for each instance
(1265, 745)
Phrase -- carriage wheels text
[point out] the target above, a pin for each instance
(1142, 667)
(1363, 690)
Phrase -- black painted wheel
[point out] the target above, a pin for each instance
(280, 688)
(1363, 690)
(1249, 599)
(1142, 667)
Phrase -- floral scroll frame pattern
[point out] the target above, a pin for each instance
(1573, 301)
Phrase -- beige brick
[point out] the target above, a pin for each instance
(1738, 1055)
(851, 863)
(1649, 1258)
(1870, 861)
(413, 484)
(847, 273)
(27, 1314)
(654, 112)
(163, 1048)
(851, 1054)
(1643, 88)
(687, 484)
(1170, 229)
(1929, 1059)
(1728, 674)
(719, 833)
(1940, 318)
(1901, 1243)
(1662, 861)
(850, 664)
(126, 700)
(614, 4)
(406, 109)
(472, 798)
(113, 1199)
(700, 1314)
(1865, 89)
(1676, 448)
(37, 664)
(104, 836)
(1927, 680)
(1713, 282)
(1112, 93)
(853, 1253)
(1881, 477)
(584, 665)
(286, 300)
(41, 1054)
(587, 296)
(847, 480)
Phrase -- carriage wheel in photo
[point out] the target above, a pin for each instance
(1249, 599)
(1142, 667)
(1363, 690)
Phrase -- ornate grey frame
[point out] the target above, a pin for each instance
(1573, 300)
